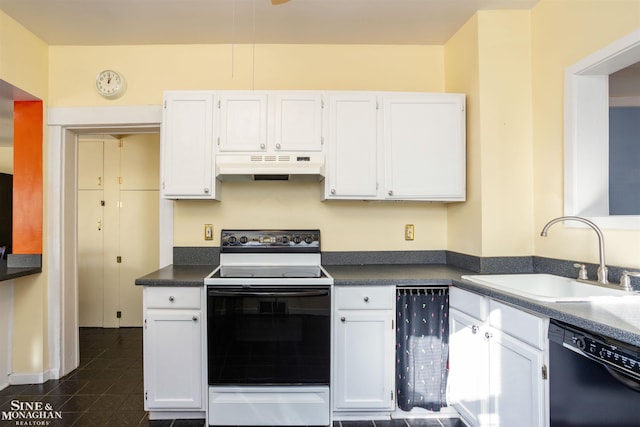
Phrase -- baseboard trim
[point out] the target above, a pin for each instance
(33, 377)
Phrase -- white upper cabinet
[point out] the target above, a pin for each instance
(187, 146)
(352, 152)
(424, 142)
(298, 122)
(396, 146)
(269, 122)
(242, 122)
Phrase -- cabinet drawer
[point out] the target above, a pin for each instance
(172, 297)
(365, 297)
(469, 303)
(519, 324)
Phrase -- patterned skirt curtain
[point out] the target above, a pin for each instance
(422, 348)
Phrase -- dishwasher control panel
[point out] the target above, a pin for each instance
(615, 354)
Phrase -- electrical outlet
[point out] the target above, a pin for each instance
(408, 232)
(208, 232)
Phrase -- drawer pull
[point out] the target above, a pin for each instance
(475, 329)
(171, 298)
(194, 318)
(366, 299)
(343, 319)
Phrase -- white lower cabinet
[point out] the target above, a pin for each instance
(498, 362)
(363, 349)
(173, 352)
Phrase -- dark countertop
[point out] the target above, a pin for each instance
(9, 273)
(177, 275)
(619, 320)
(395, 274)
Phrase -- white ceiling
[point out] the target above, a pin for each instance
(119, 22)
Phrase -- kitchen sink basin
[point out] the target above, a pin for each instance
(549, 288)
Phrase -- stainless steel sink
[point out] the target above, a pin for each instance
(549, 288)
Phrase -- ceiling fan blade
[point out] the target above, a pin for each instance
(277, 2)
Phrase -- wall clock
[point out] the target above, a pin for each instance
(110, 84)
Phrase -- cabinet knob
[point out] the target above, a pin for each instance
(206, 191)
(262, 146)
(278, 146)
(475, 329)
(366, 299)
(343, 319)
(171, 299)
(333, 191)
(488, 335)
(390, 192)
(194, 318)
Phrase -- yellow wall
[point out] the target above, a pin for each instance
(564, 32)
(489, 59)
(6, 159)
(464, 231)
(24, 64)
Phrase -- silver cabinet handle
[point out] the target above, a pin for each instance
(390, 192)
(171, 299)
(262, 146)
(475, 329)
(194, 318)
(278, 146)
(333, 191)
(488, 335)
(206, 191)
(343, 319)
(366, 299)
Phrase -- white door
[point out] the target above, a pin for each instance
(242, 122)
(90, 258)
(468, 367)
(187, 145)
(352, 160)
(173, 357)
(424, 140)
(516, 392)
(298, 122)
(364, 370)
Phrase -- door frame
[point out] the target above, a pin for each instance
(65, 124)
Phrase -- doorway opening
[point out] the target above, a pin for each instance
(66, 126)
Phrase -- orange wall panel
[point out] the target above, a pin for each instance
(27, 177)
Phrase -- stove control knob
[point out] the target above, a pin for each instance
(580, 343)
(231, 239)
(244, 239)
(297, 239)
(285, 239)
(308, 240)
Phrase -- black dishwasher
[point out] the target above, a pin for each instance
(593, 380)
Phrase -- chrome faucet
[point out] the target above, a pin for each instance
(602, 269)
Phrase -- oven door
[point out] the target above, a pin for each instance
(268, 335)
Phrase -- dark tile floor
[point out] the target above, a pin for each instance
(107, 390)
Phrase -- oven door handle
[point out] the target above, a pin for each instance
(314, 293)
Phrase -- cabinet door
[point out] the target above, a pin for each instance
(187, 146)
(352, 160)
(363, 360)
(517, 389)
(298, 122)
(242, 122)
(173, 359)
(468, 363)
(424, 138)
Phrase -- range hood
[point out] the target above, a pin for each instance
(270, 167)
